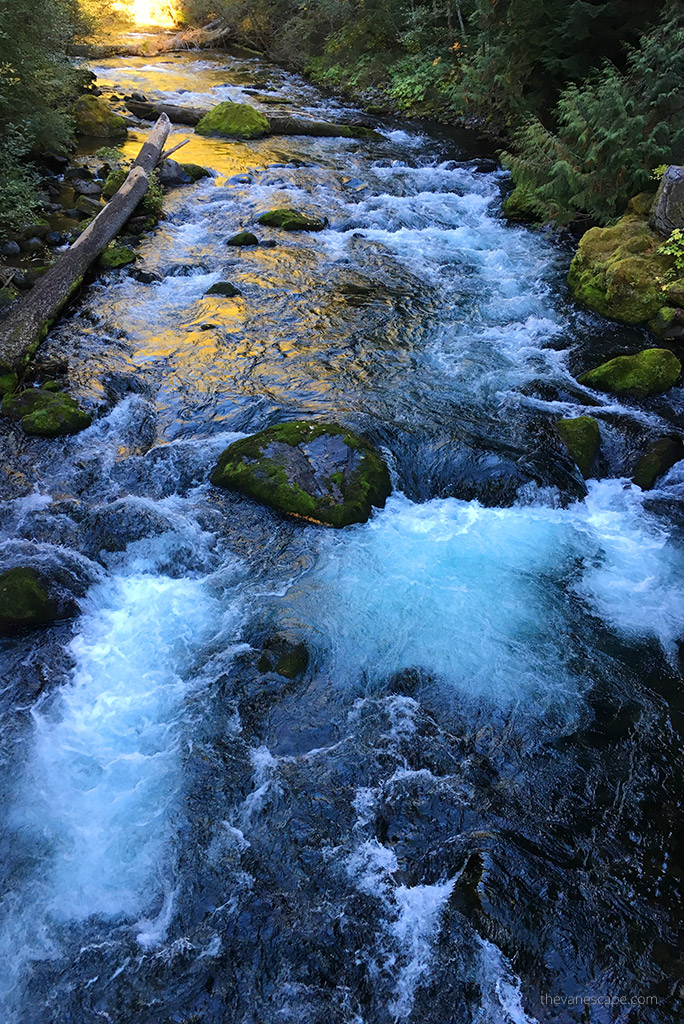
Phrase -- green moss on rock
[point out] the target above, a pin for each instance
(294, 467)
(8, 381)
(46, 413)
(291, 220)
(656, 460)
(581, 437)
(195, 171)
(234, 121)
(224, 288)
(94, 118)
(243, 238)
(293, 662)
(519, 206)
(8, 295)
(115, 180)
(619, 272)
(116, 256)
(24, 601)
(650, 372)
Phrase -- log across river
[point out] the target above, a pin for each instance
(462, 806)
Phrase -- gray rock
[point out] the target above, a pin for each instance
(668, 206)
(171, 173)
(9, 249)
(86, 188)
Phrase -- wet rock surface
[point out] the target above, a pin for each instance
(319, 472)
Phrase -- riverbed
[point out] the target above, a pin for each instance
(467, 804)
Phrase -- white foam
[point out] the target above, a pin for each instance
(482, 597)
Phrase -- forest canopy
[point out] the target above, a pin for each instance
(586, 95)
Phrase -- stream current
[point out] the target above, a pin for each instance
(467, 805)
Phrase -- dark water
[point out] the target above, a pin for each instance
(468, 805)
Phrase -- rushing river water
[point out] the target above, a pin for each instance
(467, 806)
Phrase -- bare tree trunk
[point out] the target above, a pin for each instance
(28, 323)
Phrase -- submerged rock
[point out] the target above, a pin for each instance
(668, 208)
(315, 471)
(656, 460)
(224, 288)
(94, 118)
(46, 413)
(24, 601)
(286, 659)
(581, 438)
(292, 220)
(234, 121)
(243, 238)
(650, 372)
(116, 256)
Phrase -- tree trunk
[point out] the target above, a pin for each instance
(279, 125)
(28, 323)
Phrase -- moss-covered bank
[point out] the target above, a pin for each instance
(621, 272)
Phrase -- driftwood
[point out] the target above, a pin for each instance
(27, 323)
(148, 110)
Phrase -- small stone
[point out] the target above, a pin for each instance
(86, 188)
(243, 238)
(10, 248)
(292, 220)
(116, 256)
(224, 288)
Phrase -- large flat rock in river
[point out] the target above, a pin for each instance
(315, 471)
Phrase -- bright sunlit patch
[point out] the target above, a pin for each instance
(150, 12)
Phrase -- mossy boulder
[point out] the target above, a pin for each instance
(581, 437)
(195, 171)
(619, 272)
(650, 372)
(115, 180)
(291, 220)
(94, 118)
(656, 460)
(24, 601)
(234, 121)
(225, 289)
(116, 256)
(243, 238)
(8, 295)
(519, 206)
(8, 381)
(315, 471)
(152, 203)
(674, 293)
(46, 413)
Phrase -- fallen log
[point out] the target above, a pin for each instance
(28, 323)
(147, 110)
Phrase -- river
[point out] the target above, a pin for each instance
(467, 806)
